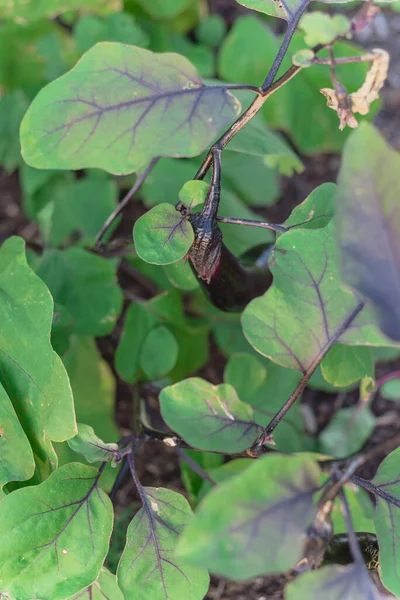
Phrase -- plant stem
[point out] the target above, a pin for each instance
(195, 466)
(252, 223)
(352, 538)
(303, 383)
(138, 183)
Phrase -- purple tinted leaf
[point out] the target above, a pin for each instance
(369, 223)
(120, 107)
(148, 562)
(209, 417)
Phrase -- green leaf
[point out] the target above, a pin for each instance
(17, 462)
(192, 482)
(368, 210)
(273, 8)
(344, 365)
(387, 520)
(22, 11)
(85, 284)
(77, 208)
(347, 432)
(104, 588)
(271, 500)
(361, 508)
(115, 27)
(246, 374)
(162, 235)
(148, 562)
(181, 276)
(209, 417)
(146, 105)
(165, 9)
(211, 31)
(316, 211)
(159, 353)
(305, 311)
(320, 28)
(193, 193)
(166, 180)
(334, 583)
(303, 58)
(390, 390)
(250, 180)
(12, 108)
(31, 373)
(93, 448)
(54, 537)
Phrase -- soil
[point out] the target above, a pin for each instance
(158, 465)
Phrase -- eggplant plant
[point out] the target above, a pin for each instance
(195, 131)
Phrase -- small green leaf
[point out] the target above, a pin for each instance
(191, 480)
(104, 588)
(283, 10)
(303, 58)
(361, 508)
(181, 276)
(209, 417)
(12, 108)
(347, 432)
(193, 193)
(162, 236)
(391, 390)
(31, 373)
(211, 31)
(320, 28)
(54, 537)
(334, 583)
(271, 500)
(316, 211)
(115, 27)
(93, 448)
(148, 562)
(368, 209)
(387, 520)
(17, 462)
(344, 365)
(85, 284)
(146, 105)
(246, 374)
(159, 353)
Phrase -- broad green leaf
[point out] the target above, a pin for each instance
(159, 353)
(165, 9)
(320, 28)
(387, 520)
(283, 10)
(251, 181)
(148, 562)
(93, 448)
(334, 583)
(390, 390)
(31, 373)
(224, 472)
(316, 211)
(344, 365)
(211, 31)
(271, 500)
(76, 209)
(104, 588)
(246, 374)
(347, 432)
(191, 480)
(93, 386)
(85, 284)
(12, 108)
(209, 417)
(166, 179)
(25, 11)
(162, 236)
(115, 27)
(146, 105)
(181, 276)
(193, 193)
(368, 209)
(361, 508)
(305, 311)
(17, 462)
(54, 537)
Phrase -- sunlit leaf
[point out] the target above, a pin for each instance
(54, 536)
(148, 562)
(209, 417)
(305, 311)
(271, 500)
(320, 28)
(162, 236)
(31, 373)
(344, 365)
(104, 588)
(121, 106)
(369, 223)
(93, 448)
(317, 210)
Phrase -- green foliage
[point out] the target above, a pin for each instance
(341, 583)
(104, 587)
(320, 28)
(86, 442)
(347, 432)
